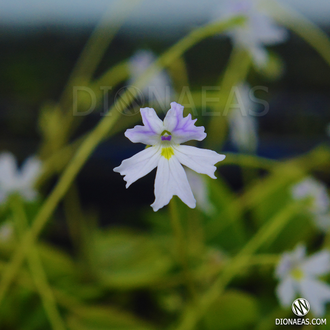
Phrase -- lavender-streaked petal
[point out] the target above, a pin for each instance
(149, 133)
(183, 129)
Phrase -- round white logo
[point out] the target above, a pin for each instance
(300, 307)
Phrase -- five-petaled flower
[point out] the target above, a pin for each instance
(20, 181)
(163, 139)
(298, 276)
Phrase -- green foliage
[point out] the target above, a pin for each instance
(125, 260)
(103, 318)
(232, 311)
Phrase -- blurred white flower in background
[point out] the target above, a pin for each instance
(320, 202)
(200, 190)
(20, 181)
(159, 88)
(242, 126)
(298, 277)
(314, 189)
(258, 31)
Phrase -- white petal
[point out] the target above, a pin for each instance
(139, 62)
(322, 221)
(31, 169)
(285, 291)
(267, 31)
(8, 170)
(199, 160)
(312, 188)
(318, 264)
(243, 127)
(150, 132)
(299, 253)
(139, 165)
(171, 180)
(183, 129)
(317, 293)
(259, 55)
(29, 194)
(290, 260)
(199, 188)
(284, 266)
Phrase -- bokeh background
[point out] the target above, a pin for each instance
(40, 43)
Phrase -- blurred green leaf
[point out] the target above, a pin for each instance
(268, 321)
(104, 318)
(233, 310)
(226, 225)
(272, 204)
(57, 263)
(127, 260)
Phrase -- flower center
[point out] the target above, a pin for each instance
(297, 273)
(167, 152)
(166, 136)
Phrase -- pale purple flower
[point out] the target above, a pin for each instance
(160, 86)
(164, 151)
(298, 277)
(20, 181)
(242, 126)
(258, 31)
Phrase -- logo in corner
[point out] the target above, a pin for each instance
(300, 307)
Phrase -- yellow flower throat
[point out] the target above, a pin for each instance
(167, 152)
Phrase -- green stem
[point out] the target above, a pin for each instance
(97, 44)
(283, 174)
(74, 217)
(251, 161)
(303, 27)
(236, 72)
(180, 245)
(86, 66)
(176, 227)
(36, 268)
(268, 232)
